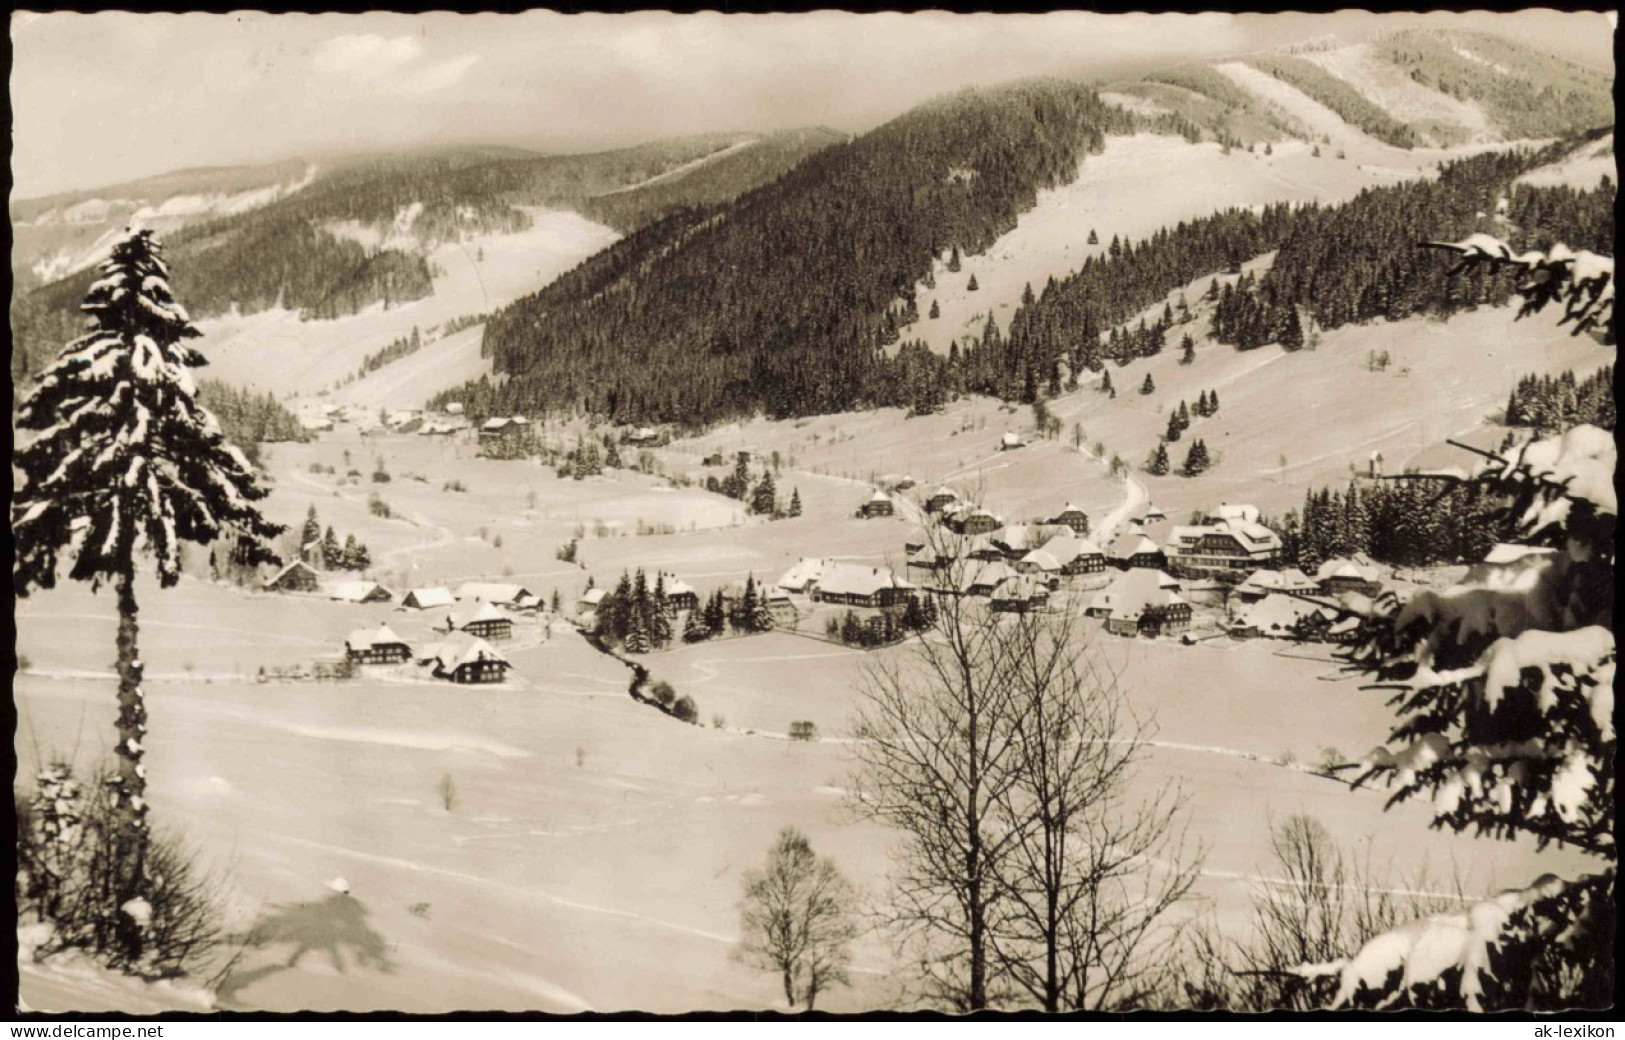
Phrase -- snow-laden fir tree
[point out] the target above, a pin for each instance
(123, 465)
(761, 615)
(1504, 688)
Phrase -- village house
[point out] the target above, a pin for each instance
(1018, 595)
(1264, 582)
(1040, 564)
(431, 598)
(481, 619)
(587, 605)
(979, 521)
(359, 592)
(1152, 515)
(297, 576)
(376, 646)
(504, 430)
(1354, 574)
(981, 579)
(503, 594)
(466, 658)
(1230, 539)
(878, 504)
(680, 595)
(1075, 555)
(981, 548)
(1135, 549)
(1011, 441)
(1073, 517)
(940, 499)
(858, 586)
(1142, 602)
(1279, 616)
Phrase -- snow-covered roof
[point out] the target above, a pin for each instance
(849, 579)
(879, 496)
(1276, 614)
(1068, 547)
(480, 611)
(1042, 559)
(454, 408)
(1021, 587)
(1130, 544)
(1266, 580)
(355, 591)
(460, 648)
(1071, 507)
(1136, 589)
(803, 573)
(495, 423)
(944, 490)
(367, 638)
(1344, 567)
(676, 586)
(295, 565)
(1011, 438)
(492, 591)
(988, 573)
(433, 596)
(592, 597)
(1239, 511)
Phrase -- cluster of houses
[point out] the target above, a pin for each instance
(477, 615)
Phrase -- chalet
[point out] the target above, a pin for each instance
(1075, 555)
(803, 575)
(430, 598)
(1073, 517)
(483, 620)
(982, 579)
(642, 436)
(1265, 582)
(466, 658)
(878, 504)
(587, 606)
(680, 595)
(1128, 588)
(941, 498)
(1018, 595)
(359, 592)
(861, 587)
(979, 521)
(1041, 564)
(502, 594)
(1353, 574)
(1231, 539)
(507, 430)
(297, 576)
(1142, 602)
(376, 646)
(1133, 549)
(1011, 441)
(1279, 616)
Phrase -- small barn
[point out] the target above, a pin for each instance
(503, 594)
(481, 619)
(376, 646)
(431, 598)
(466, 658)
(297, 576)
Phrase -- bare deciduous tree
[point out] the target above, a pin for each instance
(797, 919)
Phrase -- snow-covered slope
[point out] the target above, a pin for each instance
(1582, 168)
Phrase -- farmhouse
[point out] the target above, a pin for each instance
(1263, 582)
(1018, 595)
(1040, 563)
(1358, 574)
(680, 595)
(940, 499)
(587, 606)
(502, 430)
(430, 598)
(1130, 587)
(503, 594)
(376, 646)
(878, 504)
(861, 587)
(483, 620)
(981, 579)
(359, 592)
(297, 576)
(1231, 539)
(1014, 540)
(1075, 555)
(1280, 616)
(466, 658)
(1142, 602)
(1011, 441)
(1133, 549)
(982, 548)
(1073, 517)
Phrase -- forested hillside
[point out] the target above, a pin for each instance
(778, 300)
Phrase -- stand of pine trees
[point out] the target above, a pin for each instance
(1553, 404)
(1407, 523)
(394, 351)
(249, 420)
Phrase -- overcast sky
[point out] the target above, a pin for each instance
(103, 98)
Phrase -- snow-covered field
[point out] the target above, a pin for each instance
(1391, 89)
(1581, 169)
(276, 351)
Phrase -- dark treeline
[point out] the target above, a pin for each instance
(248, 419)
(1408, 523)
(778, 301)
(1552, 404)
(1350, 105)
(393, 351)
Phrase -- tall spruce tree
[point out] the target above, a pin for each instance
(1157, 465)
(124, 464)
(795, 501)
(1149, 386)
